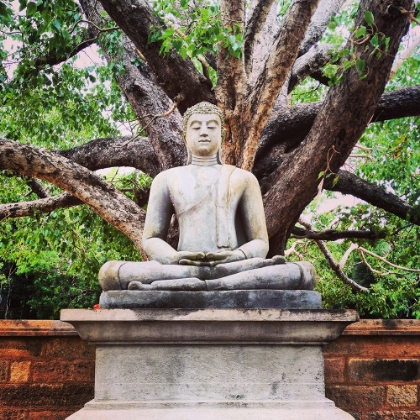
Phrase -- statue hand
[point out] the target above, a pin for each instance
(191, 258)
(223, 257)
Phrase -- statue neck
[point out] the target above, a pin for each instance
(204, 160)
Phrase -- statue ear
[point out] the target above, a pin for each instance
(189, 157)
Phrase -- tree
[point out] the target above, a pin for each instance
(165, 56)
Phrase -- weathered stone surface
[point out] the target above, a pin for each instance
(247, 299)
(402, 395)
(209, 325)
(48, 415)
(202, 364)
(209, 373)
(15, 348)
(13, 415)
(235, 412)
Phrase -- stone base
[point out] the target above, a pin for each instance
(202, 364)
(233, 411)
(246, 299)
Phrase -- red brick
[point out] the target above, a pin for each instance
(15, 348)
(361, 398)
(20, 371)
(392, 415)
(50, 415)
(384, 370)
(64, 371)
(388, 347)
(334, 370)
(62, 396)
(13, 415)
(68, 348)
(401, 396)
(4, 371)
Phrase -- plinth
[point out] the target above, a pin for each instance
(206, 364)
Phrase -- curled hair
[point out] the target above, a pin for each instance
(203, 108)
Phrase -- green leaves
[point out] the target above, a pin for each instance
(369, 19)
(30, 9)
(5, 13)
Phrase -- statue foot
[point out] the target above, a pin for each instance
(191, 283)
(278, 259)
(138, 285)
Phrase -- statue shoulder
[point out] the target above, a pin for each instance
(243, 175)
(166, 175)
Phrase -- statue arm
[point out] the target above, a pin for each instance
(158, 219)
(253, 216)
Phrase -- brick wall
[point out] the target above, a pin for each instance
(371, 371)
(46, 370)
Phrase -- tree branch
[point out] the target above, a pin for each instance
(101, 196)
(289, 126)
(349, 183)
(136, 152)
(314, 59)
(280, 60)
(173, 73)
(37, 188)
(258, 14)
(334, 235)
(319, 22)
(332, 263)
(145, 95)
(43, 205)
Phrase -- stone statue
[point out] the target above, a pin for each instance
(223, 239)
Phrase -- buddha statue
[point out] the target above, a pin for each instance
(223, 240)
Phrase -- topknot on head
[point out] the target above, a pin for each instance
(203, 108)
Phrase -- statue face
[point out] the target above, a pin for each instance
(204, 135)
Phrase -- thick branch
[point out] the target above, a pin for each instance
(145, 95)
(101, 196)
(259, 12)
(173, 73)
(37, 188)
(320, 20)
(308, 63)
(288, 127)
(229, 68)
(267, 87)
(349, 183)
(43, 205)
(120, 151)
(52, 59)
(334, 235)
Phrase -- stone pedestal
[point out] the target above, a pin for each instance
(202, 364)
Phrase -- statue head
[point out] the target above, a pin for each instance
(203, 120)
(203, 108)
